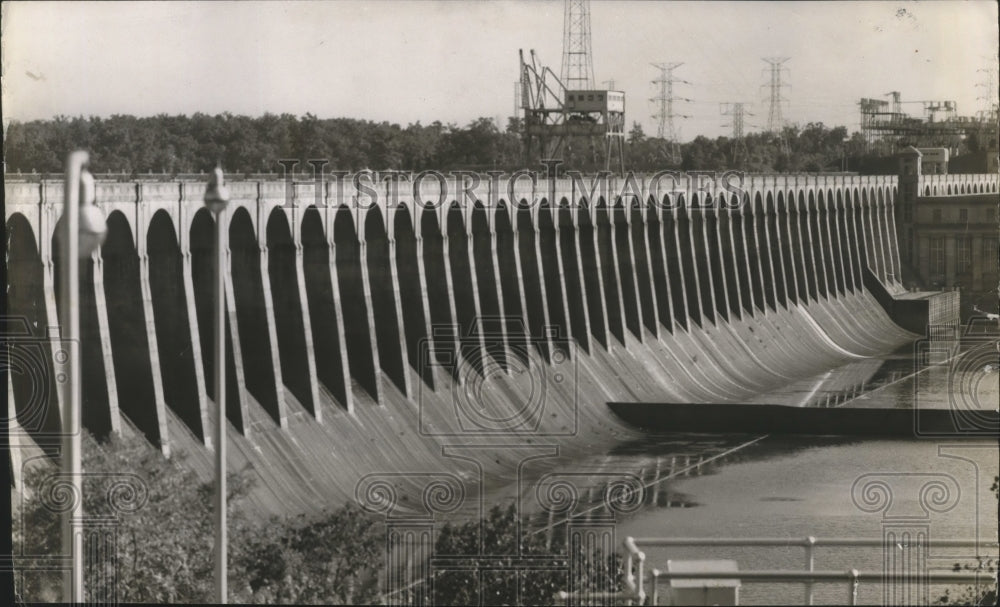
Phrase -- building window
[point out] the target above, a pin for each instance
(990, 255)
(937, 255)
(600, 97)
(936, 216)
(964, 253)
(590, 97)
(963, 215)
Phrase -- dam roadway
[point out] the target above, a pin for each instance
(391, 343)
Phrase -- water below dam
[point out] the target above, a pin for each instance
(743, 486)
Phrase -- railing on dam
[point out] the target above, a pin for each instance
(367, 292)
(905, 579)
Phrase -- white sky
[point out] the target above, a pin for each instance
(455, 61)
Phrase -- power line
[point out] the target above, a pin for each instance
(665, 128)
(988, 113)
(738, 111)
(775, 120)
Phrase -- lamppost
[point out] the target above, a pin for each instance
(83, 230)
(216, 199)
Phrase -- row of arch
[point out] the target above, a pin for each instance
(960, 188)
(378, 302)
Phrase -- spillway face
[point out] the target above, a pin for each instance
(368, 333)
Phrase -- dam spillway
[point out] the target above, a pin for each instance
(371, 330)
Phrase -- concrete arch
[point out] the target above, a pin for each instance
(100, 395)
(751, 215)
(822, 243)
(413, 310)
(382, 284)
(443, 323)
(859, 248)
(658, 269)
(767, 223)
(839, 248)
(293, 352)
(643, 273)
(727, 253)
(202, 247)
(30, 358)
(927, 190)
(361, 354)
(800, 242)
(786, 256)
(737, 219)
(815, 246)
(463, 290)
(700, 257)
(880, 229)
(845, 212)
(831, 246)
(626, 270)
(576, 301)
(531, 276)
(508, 268)
(322, 297)
(592, 276)
(491, 308)
(130, 346)
(550, 257)
(261, 377)
(182, 390)
(688, 270)
(609, 270)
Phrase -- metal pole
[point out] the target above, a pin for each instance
(852, 588)
(810, 561)
(71, 460)
(221, 540)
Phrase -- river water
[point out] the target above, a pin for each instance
(746, 486)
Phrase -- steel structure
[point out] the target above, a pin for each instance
(577, 65)
(738, 111)
(553, 116)
(886, 128)
(665, 108)
(557, 111)
(775, 120)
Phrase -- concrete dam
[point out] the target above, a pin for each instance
(375, 332)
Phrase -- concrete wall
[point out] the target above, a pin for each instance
(358, 328)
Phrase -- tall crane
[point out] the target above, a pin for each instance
(556, 112)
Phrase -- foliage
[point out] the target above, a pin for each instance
(333, 558)
(975, 595)
(501, 537)
(168, 144)
(165, 547)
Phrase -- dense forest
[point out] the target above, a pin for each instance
(243, 144)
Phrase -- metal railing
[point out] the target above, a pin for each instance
(636, 579)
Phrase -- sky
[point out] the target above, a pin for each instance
(455, 61)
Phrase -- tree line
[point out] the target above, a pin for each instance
(166, 144)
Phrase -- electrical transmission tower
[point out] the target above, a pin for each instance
(577, 64)
(988, 113)
(665, 115)
(775, 120)
(737, 110)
